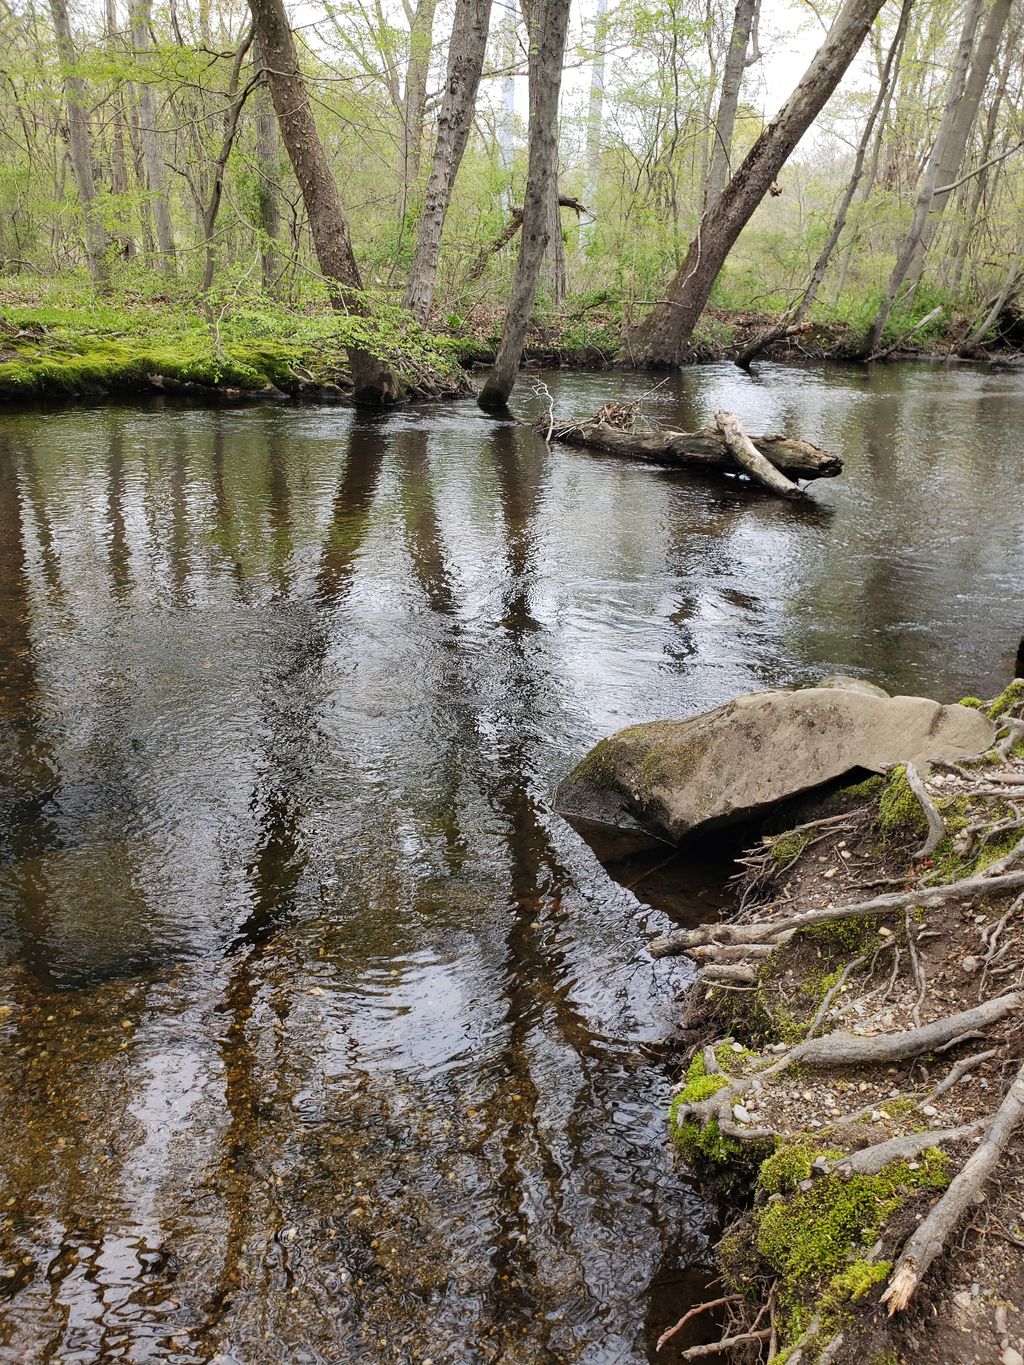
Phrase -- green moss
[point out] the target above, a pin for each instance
(1007, 700)
(845, 935)
(811, 1236)
(786, 849)
(100, 347)
(899, 812)
(858, 1279)
(975, 703)
(788, 1165)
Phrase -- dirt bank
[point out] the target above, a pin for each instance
(855, 1086)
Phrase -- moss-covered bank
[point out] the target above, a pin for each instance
(65, 349)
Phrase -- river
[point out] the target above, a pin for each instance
(323, 1036)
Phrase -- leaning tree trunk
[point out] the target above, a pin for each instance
(550, 22)
(732, 79)
(952, 155)
(152, 151)
(466, 53)
(929, 180)
(794, 318)
(663, 338)
(374, 383)
(76, 100)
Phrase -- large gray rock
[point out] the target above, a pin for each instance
(672, 777)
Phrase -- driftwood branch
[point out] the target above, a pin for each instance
(930, 1237)
(747, 455)
(764, 339)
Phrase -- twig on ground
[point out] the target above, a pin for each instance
(699, 1308)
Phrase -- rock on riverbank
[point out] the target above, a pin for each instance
(671, 778)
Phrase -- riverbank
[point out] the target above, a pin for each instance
(56, 345)
(857, 1062)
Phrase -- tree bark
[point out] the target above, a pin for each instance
(663, 338)
(732, 79)
(466, 52)
(929, 180)
(79, 148)
(374, 383)
(152, 151)
(547, 49)
(414, 100)
(952, 154)
(595, 113)
(118, 160)
(268, 155)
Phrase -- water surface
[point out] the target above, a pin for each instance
(324, 1038)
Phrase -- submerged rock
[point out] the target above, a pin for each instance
(669, 778)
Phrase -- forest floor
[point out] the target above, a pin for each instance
(857, 1062)
(53, 345)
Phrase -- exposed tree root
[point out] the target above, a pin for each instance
(936, 824)
(870, 1160)
(779, 930)
(930, 1238)
(840, 1049)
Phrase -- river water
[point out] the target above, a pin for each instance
(323, 1037)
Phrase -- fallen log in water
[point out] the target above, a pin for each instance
(704, 449)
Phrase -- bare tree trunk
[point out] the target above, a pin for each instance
(231, 118)
(952, 154)
(547, 50)
(663, 338)
(552, 270)
(592, 160)
(953, 265)
(80, 151)
(268, 155)
(794, 317)
(736, 62)
(374, 383)
(414, 101)
(929, 180)
(152, 151)
(466, 52)
(118, 160)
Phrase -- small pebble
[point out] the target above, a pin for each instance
(885, 933)
(831, 872)
(740, 1114)
(975, 1290)
(962, 1299)
(1011, 1357)
(969, 965)
(929, 1110)
(737, 1047)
